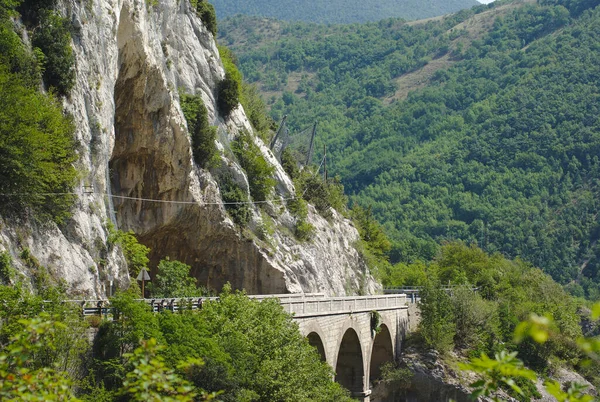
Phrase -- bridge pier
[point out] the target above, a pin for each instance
(363, 396)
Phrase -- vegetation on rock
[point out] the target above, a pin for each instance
(204, 147)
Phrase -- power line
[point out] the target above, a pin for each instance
(124, 197)
(146, 199)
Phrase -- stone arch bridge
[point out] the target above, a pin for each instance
(354, 335)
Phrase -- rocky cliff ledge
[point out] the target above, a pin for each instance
(133, 57)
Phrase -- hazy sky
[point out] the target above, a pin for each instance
(485, 1)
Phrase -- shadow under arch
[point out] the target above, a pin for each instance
(349, 369)
(315, 340)
(381, 352)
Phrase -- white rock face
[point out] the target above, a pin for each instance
(132, 58)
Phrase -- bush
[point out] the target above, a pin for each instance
(304, 230)
(203, 135)
(136, 254)
(228, 95)
(207, 14)
(17, 59)
(256, 111)
(53, 38)
(6, 269)
(230, 88)
(236, 200)
(323, 195)
(259, 171)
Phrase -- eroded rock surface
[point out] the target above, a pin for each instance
(137, 169)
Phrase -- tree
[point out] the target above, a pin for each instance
(22, 377)
(173, 280)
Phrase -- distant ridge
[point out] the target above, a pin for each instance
(340, 11)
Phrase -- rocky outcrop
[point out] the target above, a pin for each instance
(137, 170)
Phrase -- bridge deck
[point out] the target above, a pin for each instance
(299, 304)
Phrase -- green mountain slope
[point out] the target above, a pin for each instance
(339, 11)
(481, 127)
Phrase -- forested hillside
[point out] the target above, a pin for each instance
(340, 11)
(482, 126)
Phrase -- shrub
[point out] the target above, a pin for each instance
(304, 230)
(136, 254)
(6, 269)
(259, 171)
(53, 38)
(323, 195)
(230, 88)
(207, 14)
(228, 95)
(203, 135)
(236, 201)
(256, 111)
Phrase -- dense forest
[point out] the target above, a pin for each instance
(481, 126)
(339, 11)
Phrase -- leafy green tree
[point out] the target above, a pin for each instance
(22, 377)
(173, 280)
(151, 380)
(53, 38)
(37, 152)
(438, 325)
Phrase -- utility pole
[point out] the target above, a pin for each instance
(325, 163)
(310, 147)
(279, 130)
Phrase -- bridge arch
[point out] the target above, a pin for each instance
(316, 337)
(349, 366)
(382, 351)
(316, 341)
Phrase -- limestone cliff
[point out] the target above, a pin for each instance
(135, 159)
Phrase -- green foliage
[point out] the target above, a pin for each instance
(36, 152)
(337, 11)
(15, 56)
(207, 14)
(323, 195)
(46, 334)
(204, 147)
(370, 231)
(6, 269)
(136, 254)
(53, 38)
(173, 280)
(251, 350)
(438, 326)
(22, 378)
(508, 372)
(256, 110)
(151, 380)
(236, 200)
(258, 170)
(498, 373)
(230, 88)
(304, 230)
(400, 377)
